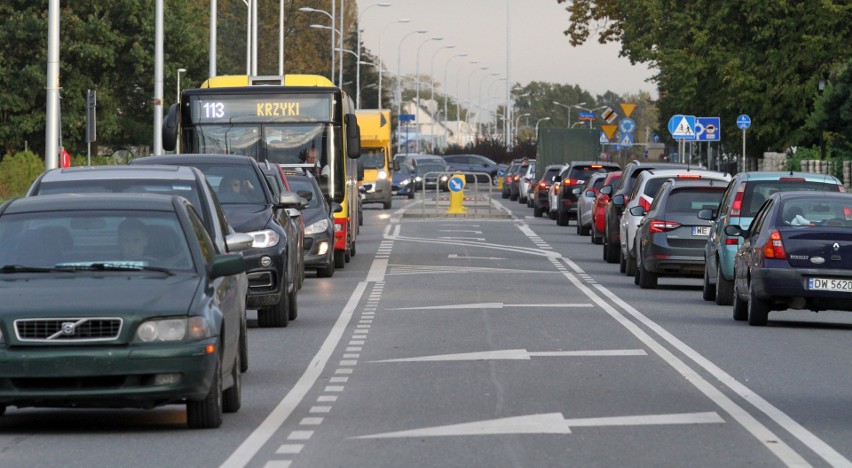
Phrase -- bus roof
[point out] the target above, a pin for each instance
(231, 81)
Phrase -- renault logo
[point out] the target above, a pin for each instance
(836, 246)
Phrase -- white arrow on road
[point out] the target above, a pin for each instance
(518, 354)
(491, 305)
(549, 423)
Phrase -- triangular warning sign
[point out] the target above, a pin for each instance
(626, 141)
(609, 130)
(628, 108)
(683, 129)
(603, 139)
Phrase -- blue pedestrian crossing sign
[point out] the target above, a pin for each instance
(743, 121)
(603, 139)
(682, 127)
(626, 140)
(456, 184)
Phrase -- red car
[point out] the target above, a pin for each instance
(599, 208)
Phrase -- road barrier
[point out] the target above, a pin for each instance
(477, 197)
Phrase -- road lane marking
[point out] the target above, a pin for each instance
(255, 441)
(475, 258)
(550, 423)
(516, 354)
(494, 305)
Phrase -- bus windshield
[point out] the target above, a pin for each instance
(301, 143)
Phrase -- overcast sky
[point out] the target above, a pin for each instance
(539, 51)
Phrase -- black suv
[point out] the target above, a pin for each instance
(612, 214)
(574, 176)
(540, 201)
(250, 207)
(472, 163)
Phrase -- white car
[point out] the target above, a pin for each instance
(553, 192)
(644, 191)
(525, 181)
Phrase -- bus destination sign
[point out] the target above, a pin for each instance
(260, 108)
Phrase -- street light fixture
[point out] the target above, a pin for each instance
(591, 110)
(569, 109)
(358, 53)
(381, 39)
(331, 48)
(536, 125)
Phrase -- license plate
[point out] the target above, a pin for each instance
(701, 231)
(828, 284)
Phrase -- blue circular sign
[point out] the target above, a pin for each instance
(455, 184)
(743, 121)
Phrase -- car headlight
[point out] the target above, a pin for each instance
(444, 178)
(382, 174)
(265, 238)
(417, 179)
(317, 227)
(404, 183)
(173, 329)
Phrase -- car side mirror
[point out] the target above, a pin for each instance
(577, 190)
(590, 193)
(618, 200)
(238, 241)
(306, 194)
(735, 231)
(289, 200)
(336, 207)
(637, 210)
(707, 214)
(226, 265)
(606, 189)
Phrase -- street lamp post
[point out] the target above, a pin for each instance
(447, 92)
(399, 83)
(417, 80)
(821, 87)
(517, 121)
(331, 48)
(381, 39)
(468, 88)
(458, 99)
(177, 99)
(358, 53)
(536, 125)
(569, 109)
(432, 92)
(481, 101)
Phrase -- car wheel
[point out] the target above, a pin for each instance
(724, 287)
(207, 413)
(622, 262)
(276, 315)
(536, 211)
(244, 359)
(630, 263)
(232, 396)
(585, 230)
(647, 280)
(611, 252)
(562, 218)
(504, 195)
(551, 214)
(410, 195)
(758, 309)
(708, 292)
(579, 230)
(327, 271)
(339, 259)
(740, 306)
(292, 306)
(388, 204)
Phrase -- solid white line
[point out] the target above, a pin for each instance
(494, 305)
(516, 354)
(249, 448)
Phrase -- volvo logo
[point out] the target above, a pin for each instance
(68, 328)
(836, 246)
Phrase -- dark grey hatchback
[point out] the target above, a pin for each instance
(671, 237)
(796, 254)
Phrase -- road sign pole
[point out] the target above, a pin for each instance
(744, 153)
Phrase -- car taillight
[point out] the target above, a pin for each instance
(570, 182)
(791, 179)
(774, 247)
(644, 203)
(737, 206)
(847, 211)
(542, 185)
(659, 225)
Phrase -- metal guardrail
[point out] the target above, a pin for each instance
(475, 209)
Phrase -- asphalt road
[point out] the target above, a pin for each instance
(494, 342)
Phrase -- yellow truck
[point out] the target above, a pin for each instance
(375, 160)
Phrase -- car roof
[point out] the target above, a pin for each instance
(122, 172)
(795, 194)
(92, 201)
(196, 158)
(775, 175)
(655, 173)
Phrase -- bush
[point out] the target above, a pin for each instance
(17, 173)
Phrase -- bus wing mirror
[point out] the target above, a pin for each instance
(353, 136)
(170, 128)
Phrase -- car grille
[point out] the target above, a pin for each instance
(68, 329)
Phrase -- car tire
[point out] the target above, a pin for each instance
(339, 259)
(562, 218)
(537, 211)
(388, 204)
(622, 262)
(292, 306)
(551, 214)
(740, 308)
(244, 358)
(277, 315)
(647, 279)
(207, 413)
(611, 252)
(579, 230)
(232, 396)
(630, 263)
(327, 271)
(504, 195)
(724, 287)
(410, 195)
(585, 230)
(758, 309)
(708, 292)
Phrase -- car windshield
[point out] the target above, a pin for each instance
(424, 167)
(758, 191)
(234, 184)
(805, 212)
(188, 190)
(94, 240)
(694, 199)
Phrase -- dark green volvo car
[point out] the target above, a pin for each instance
(114, 301)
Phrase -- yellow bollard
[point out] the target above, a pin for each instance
(456, 186)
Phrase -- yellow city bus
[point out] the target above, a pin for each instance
(375, 157)
(300, 120)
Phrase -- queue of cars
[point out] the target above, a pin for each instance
(761, 241)
(188, 243)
